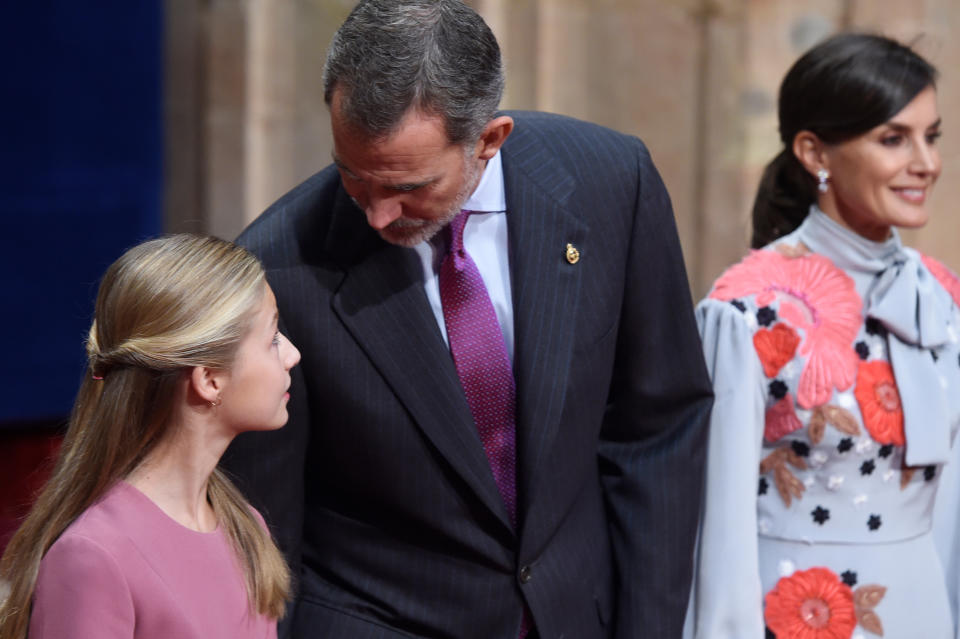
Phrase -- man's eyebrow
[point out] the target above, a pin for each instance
(402, 186)
(340, 165)
(411, 186)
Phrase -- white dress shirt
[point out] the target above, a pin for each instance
(485, 239)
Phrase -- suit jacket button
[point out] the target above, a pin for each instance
(526, 574)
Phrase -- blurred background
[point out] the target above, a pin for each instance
(124, 120)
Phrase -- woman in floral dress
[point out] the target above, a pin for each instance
(834, 354)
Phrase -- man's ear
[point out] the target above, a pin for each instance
(810, 150)
(207, 383)
(493, 136)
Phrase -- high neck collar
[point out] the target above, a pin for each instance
(904, 298)
(848, 250)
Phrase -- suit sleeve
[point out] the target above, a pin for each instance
(652, 447)
(726, 597)
(81, 593)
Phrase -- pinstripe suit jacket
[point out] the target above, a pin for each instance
(378, 488)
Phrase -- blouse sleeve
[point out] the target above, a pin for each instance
(726, 598)
(946, 532)
(81, 593)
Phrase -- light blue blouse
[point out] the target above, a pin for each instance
(836, 369)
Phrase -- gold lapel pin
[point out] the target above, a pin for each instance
(573, 254)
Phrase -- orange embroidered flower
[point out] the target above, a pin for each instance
(810, 604)
(879, 401)
(945, 276)
(814, 296)
(775, 346)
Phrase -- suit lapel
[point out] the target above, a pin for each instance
(545, 294)
(382, 303)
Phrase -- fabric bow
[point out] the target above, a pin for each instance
(916, 313)
(907, 301)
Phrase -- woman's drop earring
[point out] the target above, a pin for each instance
(822, 176)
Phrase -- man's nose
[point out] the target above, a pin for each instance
(382, 211)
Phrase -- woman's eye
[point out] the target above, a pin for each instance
(933, 137)
(276, 338)
(891, 140)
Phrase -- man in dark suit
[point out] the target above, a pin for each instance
(413, 496)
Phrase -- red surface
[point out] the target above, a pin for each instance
(26, 459)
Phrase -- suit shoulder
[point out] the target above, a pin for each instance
(277, 235)
(561, 130)
(582, 148)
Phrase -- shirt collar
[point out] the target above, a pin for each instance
(490, 194)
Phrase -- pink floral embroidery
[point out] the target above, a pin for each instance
(945, 276)
(781, 419)
(814, 296)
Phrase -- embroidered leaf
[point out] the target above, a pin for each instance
(772, 460)
(841, 419)
(817, 425)
(906, 474)
(870, 621)
(868, 596)
(794, 459)
(787, 484)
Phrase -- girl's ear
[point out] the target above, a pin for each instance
(207, 383)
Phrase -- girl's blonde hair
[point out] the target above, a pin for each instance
(163, 307)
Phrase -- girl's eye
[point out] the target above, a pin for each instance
(933, 137)
(276, 339)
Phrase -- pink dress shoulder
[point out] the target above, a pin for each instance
(126, 569)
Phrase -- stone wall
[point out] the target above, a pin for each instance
(696, 79)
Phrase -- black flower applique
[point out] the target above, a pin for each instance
(874, 327)
(820, 514)
(886, 450)
(849, 577)
(778, 389)
(867, 467)
(929, 473)
(768, 634)
(766, 316)
(740, 306)
(862, 350)
(764, 485)
(845, 444)
(800, 448)
(874, 522)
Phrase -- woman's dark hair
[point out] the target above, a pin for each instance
(838, 90)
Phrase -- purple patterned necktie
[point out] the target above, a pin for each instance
(483, 365)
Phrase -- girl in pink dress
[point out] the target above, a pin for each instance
(137, 533)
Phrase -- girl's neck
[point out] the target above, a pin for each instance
(174, 475)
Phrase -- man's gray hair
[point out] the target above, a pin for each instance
(437, 56)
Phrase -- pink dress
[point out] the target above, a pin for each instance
(126, 569)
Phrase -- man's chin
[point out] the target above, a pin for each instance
(409, 237)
